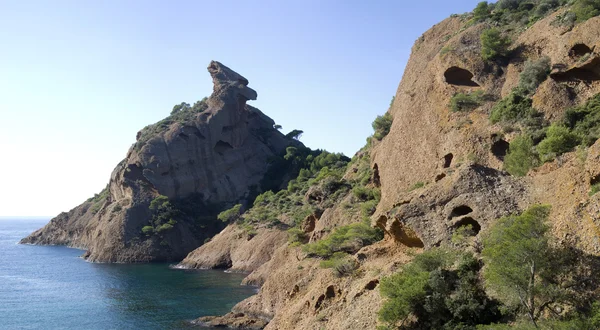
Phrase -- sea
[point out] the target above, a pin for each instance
(52, 287)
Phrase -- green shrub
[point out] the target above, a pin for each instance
(586, 9)
(534, 73)
(584, 120)
(482, 11)
(525, 270)
(148, 230)
(363, 193)
(231, 215)
(417, 185)
(508, 4)
(521, 156)
(348, 238)
(439, 289)
(164, 227)
(466, 102)
(117, 208)
(381, 126)
(594, 189)
(514, 107)
(559, 139)
(180, 107)
(296, 236)
(341, 263)
(368, 208)
(294, 134)
(493, 44)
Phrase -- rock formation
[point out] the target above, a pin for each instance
(438, 171)
(201, 158)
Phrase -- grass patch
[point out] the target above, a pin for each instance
(348, 239)
(461, 102)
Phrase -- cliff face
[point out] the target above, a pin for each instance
(201, 158)
(427, 140)
(437, 170)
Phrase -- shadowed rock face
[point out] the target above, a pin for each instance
(208, 158)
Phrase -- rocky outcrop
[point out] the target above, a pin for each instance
(202, 158)
(441, 172)
(426, 138)
(236, 250)
(472, 196)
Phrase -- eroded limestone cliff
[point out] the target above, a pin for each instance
(438, 170)
(200, 158)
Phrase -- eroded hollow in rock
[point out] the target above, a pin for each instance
(459, 211)
(330, 292)
(579, 50)
(447, 160)
(590, 71)
(468, 221)
(500, 148)
(440, 176)
(459, 77)
(222, 146)
(371, 285)
(376, 179)
(405, 235)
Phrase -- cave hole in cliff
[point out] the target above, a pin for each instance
(134, 173)
(319, 301)
(440, 176)
(184, 136)
(595, 180)
(459, 211)
(222, 146)
(330, 292)
(459, 77)
(199, 135)
(588, 72)
(371, 285)
(468, 221)
(579, 50)
(447, 160)
(405, 235)
(376, 178)
(500, 148)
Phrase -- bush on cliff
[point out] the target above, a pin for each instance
(514, 107)
(231, 215)
(532, 276)
(586, 9)
(534, 73)
(482, 11)
(521, 156)
(341, 263)
(584, 120)
(381, 126)
(493, 44)
(439, 289)
(559, 139)
(466, 101)
(349, 238)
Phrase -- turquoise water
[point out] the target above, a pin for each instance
(50, 287)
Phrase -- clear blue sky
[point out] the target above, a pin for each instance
(78, 79)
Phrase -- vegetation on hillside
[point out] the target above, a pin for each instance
(181, 113)
(528, 282)
(493, 44)
(466, 101)
(579, 127)
(166, 214)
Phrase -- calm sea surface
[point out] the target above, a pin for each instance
(47, 287)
